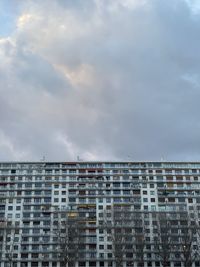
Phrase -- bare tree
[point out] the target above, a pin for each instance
(67, 234)
(8, 232)
(118, 237)
(128, 236)
(139, 237)
(3, 226)
(175, 238)
(162, 237)
(188, 239)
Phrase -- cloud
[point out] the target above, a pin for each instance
(10, 150)
(102, 80)
(24, 19)
(194, 5)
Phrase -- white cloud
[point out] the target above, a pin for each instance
(10, 150)
(102, 80)
(76, 152)
(25, 19)
(194, 6)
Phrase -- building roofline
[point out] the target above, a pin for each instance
(106, 161)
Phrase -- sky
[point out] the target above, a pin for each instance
(99, 79)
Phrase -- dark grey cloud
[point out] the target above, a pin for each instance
(101, 79)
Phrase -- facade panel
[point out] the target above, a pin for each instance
(99, 214)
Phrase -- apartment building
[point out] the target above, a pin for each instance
(115, 206)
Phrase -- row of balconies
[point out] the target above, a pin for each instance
(114, 185)
(174, 187)
(75, 186)
(90, 165)
(98, 173)
(86, 241)
(52, 257)
(96, 165)
(97, 168)
(35, 192)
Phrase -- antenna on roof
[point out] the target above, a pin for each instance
(43, 159)
(79, 159)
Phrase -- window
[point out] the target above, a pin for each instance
(71, 199)
(25, 231)
(25, 255)
(47, 199)
(36, 231)
(35, 255)
(100, 200)
(81, 264)
(26, 200)
(45, 264)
